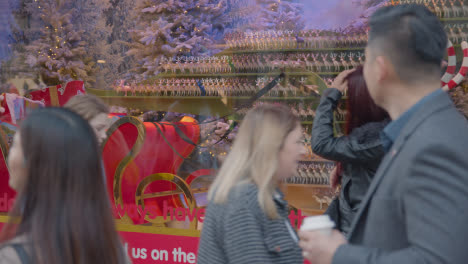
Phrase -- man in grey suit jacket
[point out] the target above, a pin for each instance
(416, 208)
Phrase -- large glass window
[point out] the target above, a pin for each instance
(178, 76)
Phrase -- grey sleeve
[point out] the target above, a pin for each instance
(434, 204)
(244, 242)
(345, 148)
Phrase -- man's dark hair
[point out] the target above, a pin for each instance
(412, 37)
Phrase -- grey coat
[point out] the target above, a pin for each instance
(415, 210)
(360, 153)
(239, 232)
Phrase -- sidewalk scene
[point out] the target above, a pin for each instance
(233, 131)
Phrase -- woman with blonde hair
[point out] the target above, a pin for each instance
(247, 218)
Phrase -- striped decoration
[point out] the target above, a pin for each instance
(463, 70)
(452, 64)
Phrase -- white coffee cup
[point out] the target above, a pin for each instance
(321, 223)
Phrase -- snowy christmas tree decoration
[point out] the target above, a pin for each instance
(59, 46)
(279, 15)
(7, 26)
(173, 28)
(361, 23)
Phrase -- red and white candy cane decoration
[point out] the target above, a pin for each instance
(463, 70)
(452, 64)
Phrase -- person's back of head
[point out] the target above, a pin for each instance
(56, 170)
(406, 46)
(360, 105)
(412, 37)
(94, 110)
(254, 156)
(87, 106)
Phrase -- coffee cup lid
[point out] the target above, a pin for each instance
(317, 222)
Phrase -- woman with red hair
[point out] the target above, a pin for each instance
(358, 152)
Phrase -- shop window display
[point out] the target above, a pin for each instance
(179, 76)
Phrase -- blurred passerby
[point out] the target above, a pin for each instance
(414, 209)
(94, 110)
(63, 211)
(247, 218)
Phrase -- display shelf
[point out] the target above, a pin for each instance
(230, 52)
(220, 106)
(230, 75)
(302, 122)
(453, 19)
(298, 50)
(176, 98)
(100, 92)
(194, 105)
(110, 94)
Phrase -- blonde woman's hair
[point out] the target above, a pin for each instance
(87, 106)
(254, 155)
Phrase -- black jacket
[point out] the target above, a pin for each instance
(360, 152)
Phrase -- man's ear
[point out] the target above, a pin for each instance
(384, 68)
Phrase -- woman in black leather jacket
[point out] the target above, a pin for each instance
(359, 152)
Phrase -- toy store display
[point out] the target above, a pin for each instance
(240, 73)
(324, 61)
(218, 87)
(308, 61)
(305, 39)
(179, 78)
(313, 173)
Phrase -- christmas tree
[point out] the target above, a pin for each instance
(64, 39)
(241, 14)
(172, 28)
(279, 15)
(361, 23)
(89, 18)
(118, 18)
(7, 25)
(17, 35)
(59, 52)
